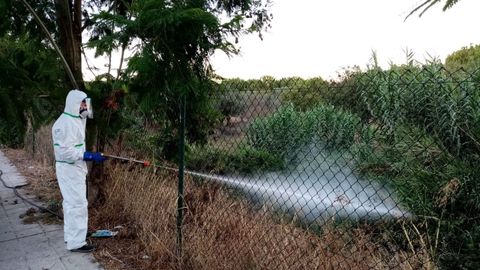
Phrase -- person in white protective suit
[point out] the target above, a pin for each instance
(68, 134)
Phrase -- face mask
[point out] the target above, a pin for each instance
(88, 111)
(83, 113)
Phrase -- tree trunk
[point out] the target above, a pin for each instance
(69, 21)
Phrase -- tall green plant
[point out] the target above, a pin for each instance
(176, 40)
(283, 134)
(286, 132)
(429, 96)
(424, 122)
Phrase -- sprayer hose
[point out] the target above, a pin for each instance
(27, 200)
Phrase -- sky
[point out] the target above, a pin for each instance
(311, 38)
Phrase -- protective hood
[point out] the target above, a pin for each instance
(72, 104)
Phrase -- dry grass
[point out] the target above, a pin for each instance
(42, 183)
(40, 146)
(40, 177)
(35, 161)
(221, 232)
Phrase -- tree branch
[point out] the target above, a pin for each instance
(49, 36)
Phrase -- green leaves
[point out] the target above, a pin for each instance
(4, 6)
(175, 40)
(467, 59)
(427, 4)
(242, 159)
(430, 97)
(28, 71)
(282, 133)
(287, 131)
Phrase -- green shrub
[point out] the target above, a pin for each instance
(287, 131)
(303, 98)
(29, 70)
(243, 159)
(231, 103)
(333, 127)
(283, 133)
(467, 58)
(206, 159)
(405, 162)
(139, 134)
(305, 94)
(249, 160)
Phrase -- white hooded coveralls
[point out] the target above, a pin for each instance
(68, 134)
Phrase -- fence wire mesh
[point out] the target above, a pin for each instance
(375, 170)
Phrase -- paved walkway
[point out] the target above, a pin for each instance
(36, 245)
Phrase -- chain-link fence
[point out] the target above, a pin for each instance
(376, 170)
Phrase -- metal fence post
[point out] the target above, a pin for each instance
(181, 168)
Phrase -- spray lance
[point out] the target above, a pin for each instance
(149, 164)
(145, 163)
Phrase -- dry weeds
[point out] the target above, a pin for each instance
(40, 177)
(221, 232)
(40, 145)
